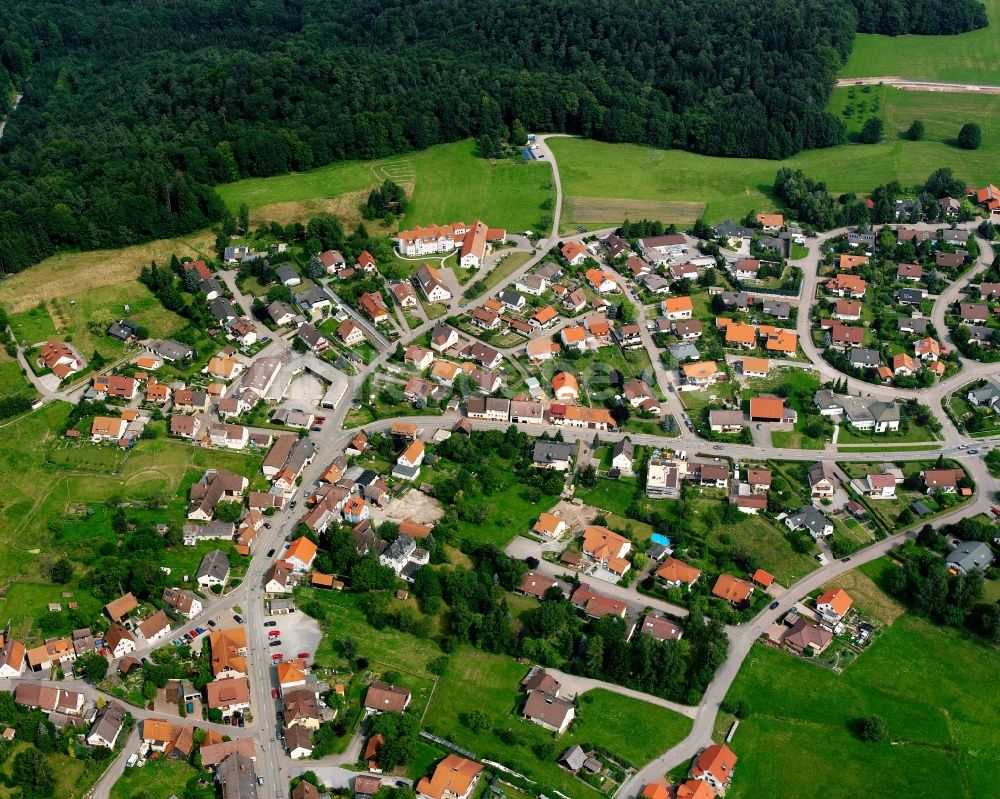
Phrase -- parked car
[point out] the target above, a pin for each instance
(274, 633)
(277, 656)
(274, 693)
(238, 618)
(211, 622)
(270, 624)
(275, 642)
(773, 606)
(303, 655)
(270, 553)
(267, 525)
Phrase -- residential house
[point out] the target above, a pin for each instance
(350, 333)
(214, 569)
(60, 359)
(822, 481)
(812, 520)
(701, 373)
(533, 584)
(732, 589)
(606, 549)
(623, 455)
(549, 712)
(541, 349)
(383, 698)
(154, 627)
(941, 481)
(229, 695)
(429, 280)
(834, 604)
(722, 421)
(107, 725)
(663, 249)
(565, 387)
(601, 282)
(676, 573)
(970, 556)
(48, 698)
(844, 285)
(119, 641)
(715, 766)
(555, 455)
(574, 252)
(675, 308)
(804, 637)
(185, 603)
(453, 778)
(280, 313)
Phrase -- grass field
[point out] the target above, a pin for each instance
(67, 317)
(38, 511)
(157, 778)
(730, 187)
(943, 114)
(448, 183)
(76, 273)
(965, 58)
(631, 730)
(916, 676)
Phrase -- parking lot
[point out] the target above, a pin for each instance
(297, 633)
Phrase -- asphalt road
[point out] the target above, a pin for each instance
(277, 769)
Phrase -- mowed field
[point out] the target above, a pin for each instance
(965, 58)
(924, 680)
(943, 114)
(675, 182)
(447, 183)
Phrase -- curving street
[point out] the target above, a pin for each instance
(272, 763)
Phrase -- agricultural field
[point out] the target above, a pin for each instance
(446, 183)
(964, 58)
(730, 187)
(802, 729)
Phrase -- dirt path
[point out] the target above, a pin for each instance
(13, 108)
(920, 85)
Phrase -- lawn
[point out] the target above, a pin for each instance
(917, 676)
(630, 729)
(449, 183)
(965, 58)
(159, 777)
(914, 433)
(508, 266)
(730, 187)
(12, 379)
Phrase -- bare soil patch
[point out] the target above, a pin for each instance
(600, 209)
(412, 505)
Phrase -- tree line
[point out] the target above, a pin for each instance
(134, 111)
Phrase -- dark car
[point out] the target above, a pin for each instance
(275, 642)
(844, 560)
(267, 525)
(211, 622)
(293, 504)
(773, 605)
(270, 624)
(270, 553)
(238, 618)
(242, 721)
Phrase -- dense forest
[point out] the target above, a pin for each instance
(132, 111)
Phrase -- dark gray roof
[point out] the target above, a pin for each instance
(171, 349)
(285, 272)
(311, 296)
(549, 451)
(222, 309)
(730, 228)
(968, 556)
(863, 357)
(215, 563)
(909, 323)
(807, 516)
(623, 447)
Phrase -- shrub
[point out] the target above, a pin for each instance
(970, 136)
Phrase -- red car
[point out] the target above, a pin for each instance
(274, 693)
(277, 656)
(273, 633)
(303, 655)
(996, 510)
